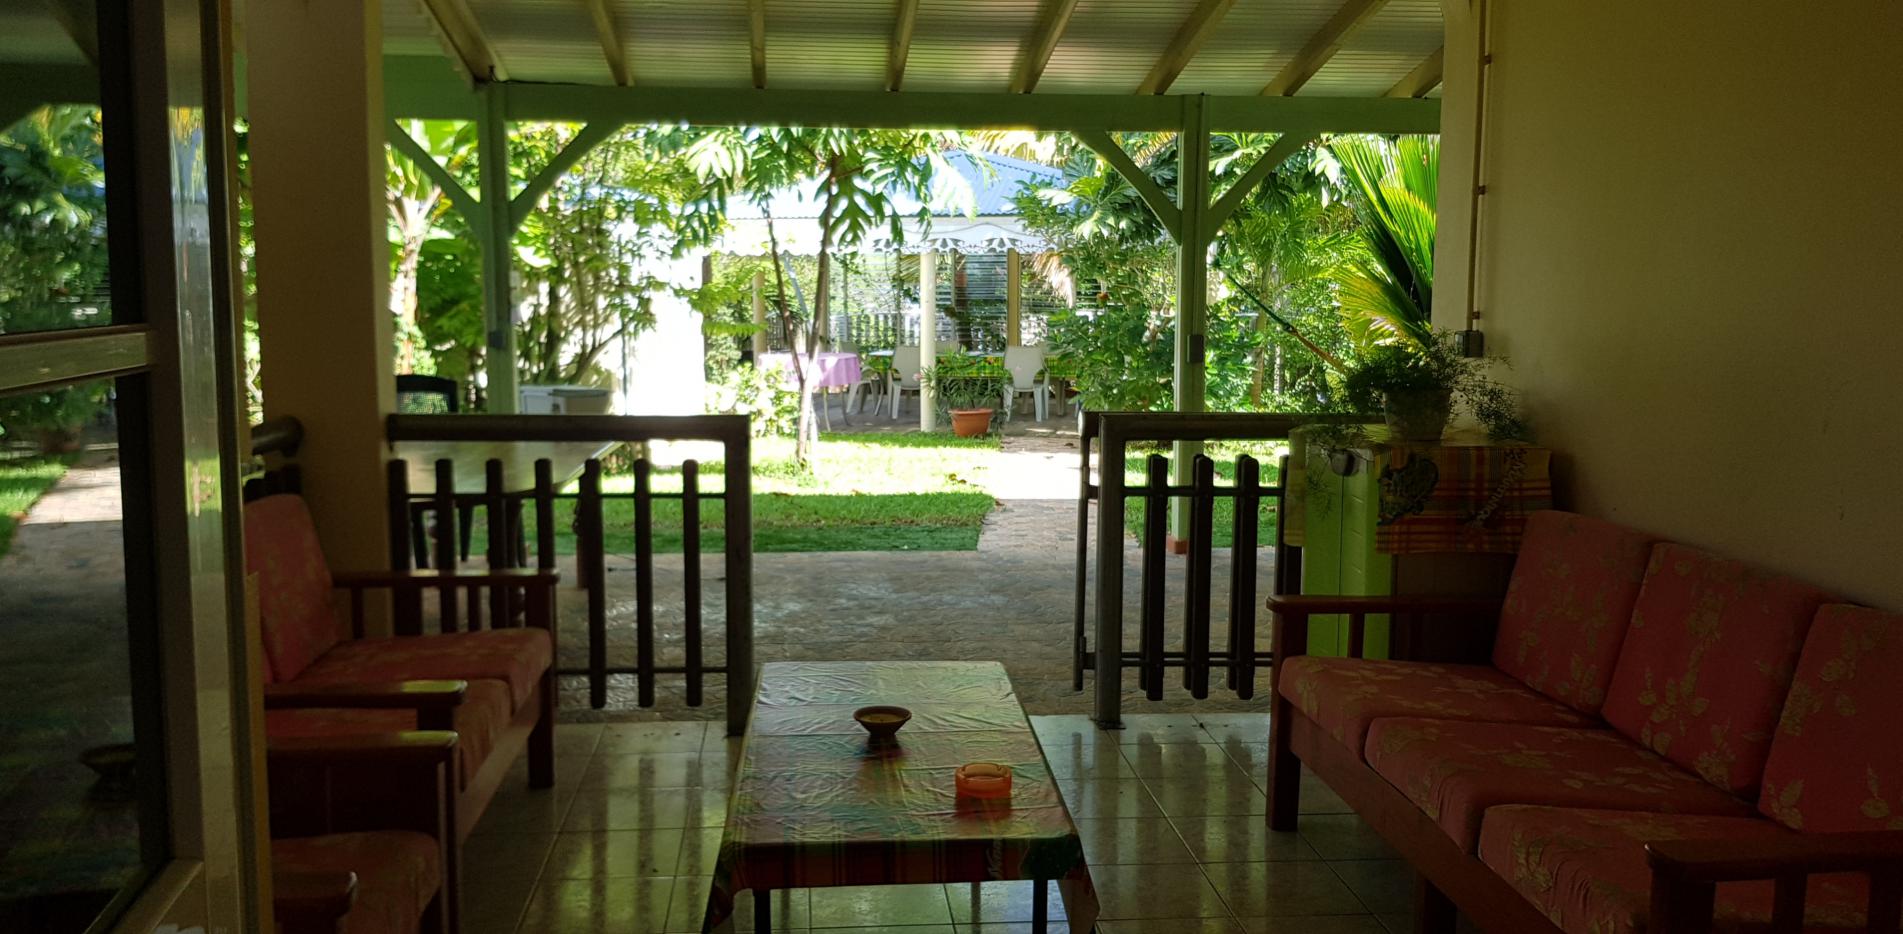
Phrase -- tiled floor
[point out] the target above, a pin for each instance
(1169, 808)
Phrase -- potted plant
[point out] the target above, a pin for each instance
(1417, 388)
(968, 394)
(52, 418)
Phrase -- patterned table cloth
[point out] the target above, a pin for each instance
(815, 803)
(1464, 494)
(826, 370)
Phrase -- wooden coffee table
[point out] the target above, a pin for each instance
(816, 803)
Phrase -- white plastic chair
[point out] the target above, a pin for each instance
(1025, 364)
(904, 377)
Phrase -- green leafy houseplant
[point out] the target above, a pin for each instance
(1418, 387)
(958, 387)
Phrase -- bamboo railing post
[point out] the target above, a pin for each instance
(1202, 515)
(590, 545)
(1242, 565)
(1153, 597)
(690, 576)
(446, 540)
(644, 581)
(1080, 643)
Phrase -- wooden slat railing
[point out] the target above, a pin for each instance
(507, 545)
(1109, 435)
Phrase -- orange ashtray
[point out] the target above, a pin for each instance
(985, 780)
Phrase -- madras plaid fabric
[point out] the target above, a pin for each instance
(1459, 497)
(816, 804)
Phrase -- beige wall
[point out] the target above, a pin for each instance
(1693, 253)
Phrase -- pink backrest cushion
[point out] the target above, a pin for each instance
(1568, 605)
(1707, 661)
(1834, 764)
(294, 584)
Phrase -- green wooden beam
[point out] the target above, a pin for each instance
(459, 197)
(904, 19)
(1100, 143)
(1038, 46)
(1233, 198)
(498, 293)
(938, 110)
(50, 358)
(590, 136)
(1192, 290)
(1189, 39)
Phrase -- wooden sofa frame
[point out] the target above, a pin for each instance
(1450, 879)
(314, 784)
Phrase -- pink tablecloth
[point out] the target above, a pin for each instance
(826, 370)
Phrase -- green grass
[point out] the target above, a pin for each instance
(1224, 453)
(22, 481)
(905, 492)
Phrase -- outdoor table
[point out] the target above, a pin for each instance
(471, 458)
(817, 803)
(826, 370)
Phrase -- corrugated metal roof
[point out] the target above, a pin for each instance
(957, 45)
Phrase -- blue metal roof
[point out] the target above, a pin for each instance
(993, 181)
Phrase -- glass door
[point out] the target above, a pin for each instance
(122, 781)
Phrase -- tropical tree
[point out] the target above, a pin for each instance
(418, 211)
(53, 255)
(857, 176)
(1395, 184)
(595, 252)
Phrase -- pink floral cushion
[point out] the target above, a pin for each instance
(294, 585)
(1707, 662)
(516, 657)
(1586, 870)
(1344, 695)
(1456, 771)
(398, 874)
(482, 716)
(1833, 766)
(1568, 605)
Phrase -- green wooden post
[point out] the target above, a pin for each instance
(1192, 288)
(498, 300)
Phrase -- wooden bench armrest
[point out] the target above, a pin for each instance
(431, 577)
(310, 898)
(1775, 857)
(427, 747)
(1288, 635)
(408, 695)
(1307, 605)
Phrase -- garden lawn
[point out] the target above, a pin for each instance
(905, 492)
(22, 481)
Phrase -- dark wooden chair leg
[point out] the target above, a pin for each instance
(1285, 769)
(762, 911)
(1434, 912)
(419, 536)
(1040, 907)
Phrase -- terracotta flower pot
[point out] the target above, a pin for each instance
(971, 423)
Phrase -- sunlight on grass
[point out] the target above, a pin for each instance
(904, 492)
(22, 481)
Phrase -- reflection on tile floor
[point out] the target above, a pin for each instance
(1170, 811)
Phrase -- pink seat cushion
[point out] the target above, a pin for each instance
(1832, 765)
(1707, 662)
(1586, 870)
(294, 584)
(1568, 605)
(398, 874)
(516, 657)
(1455, 771)
(1344, 695)
(479, 721)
